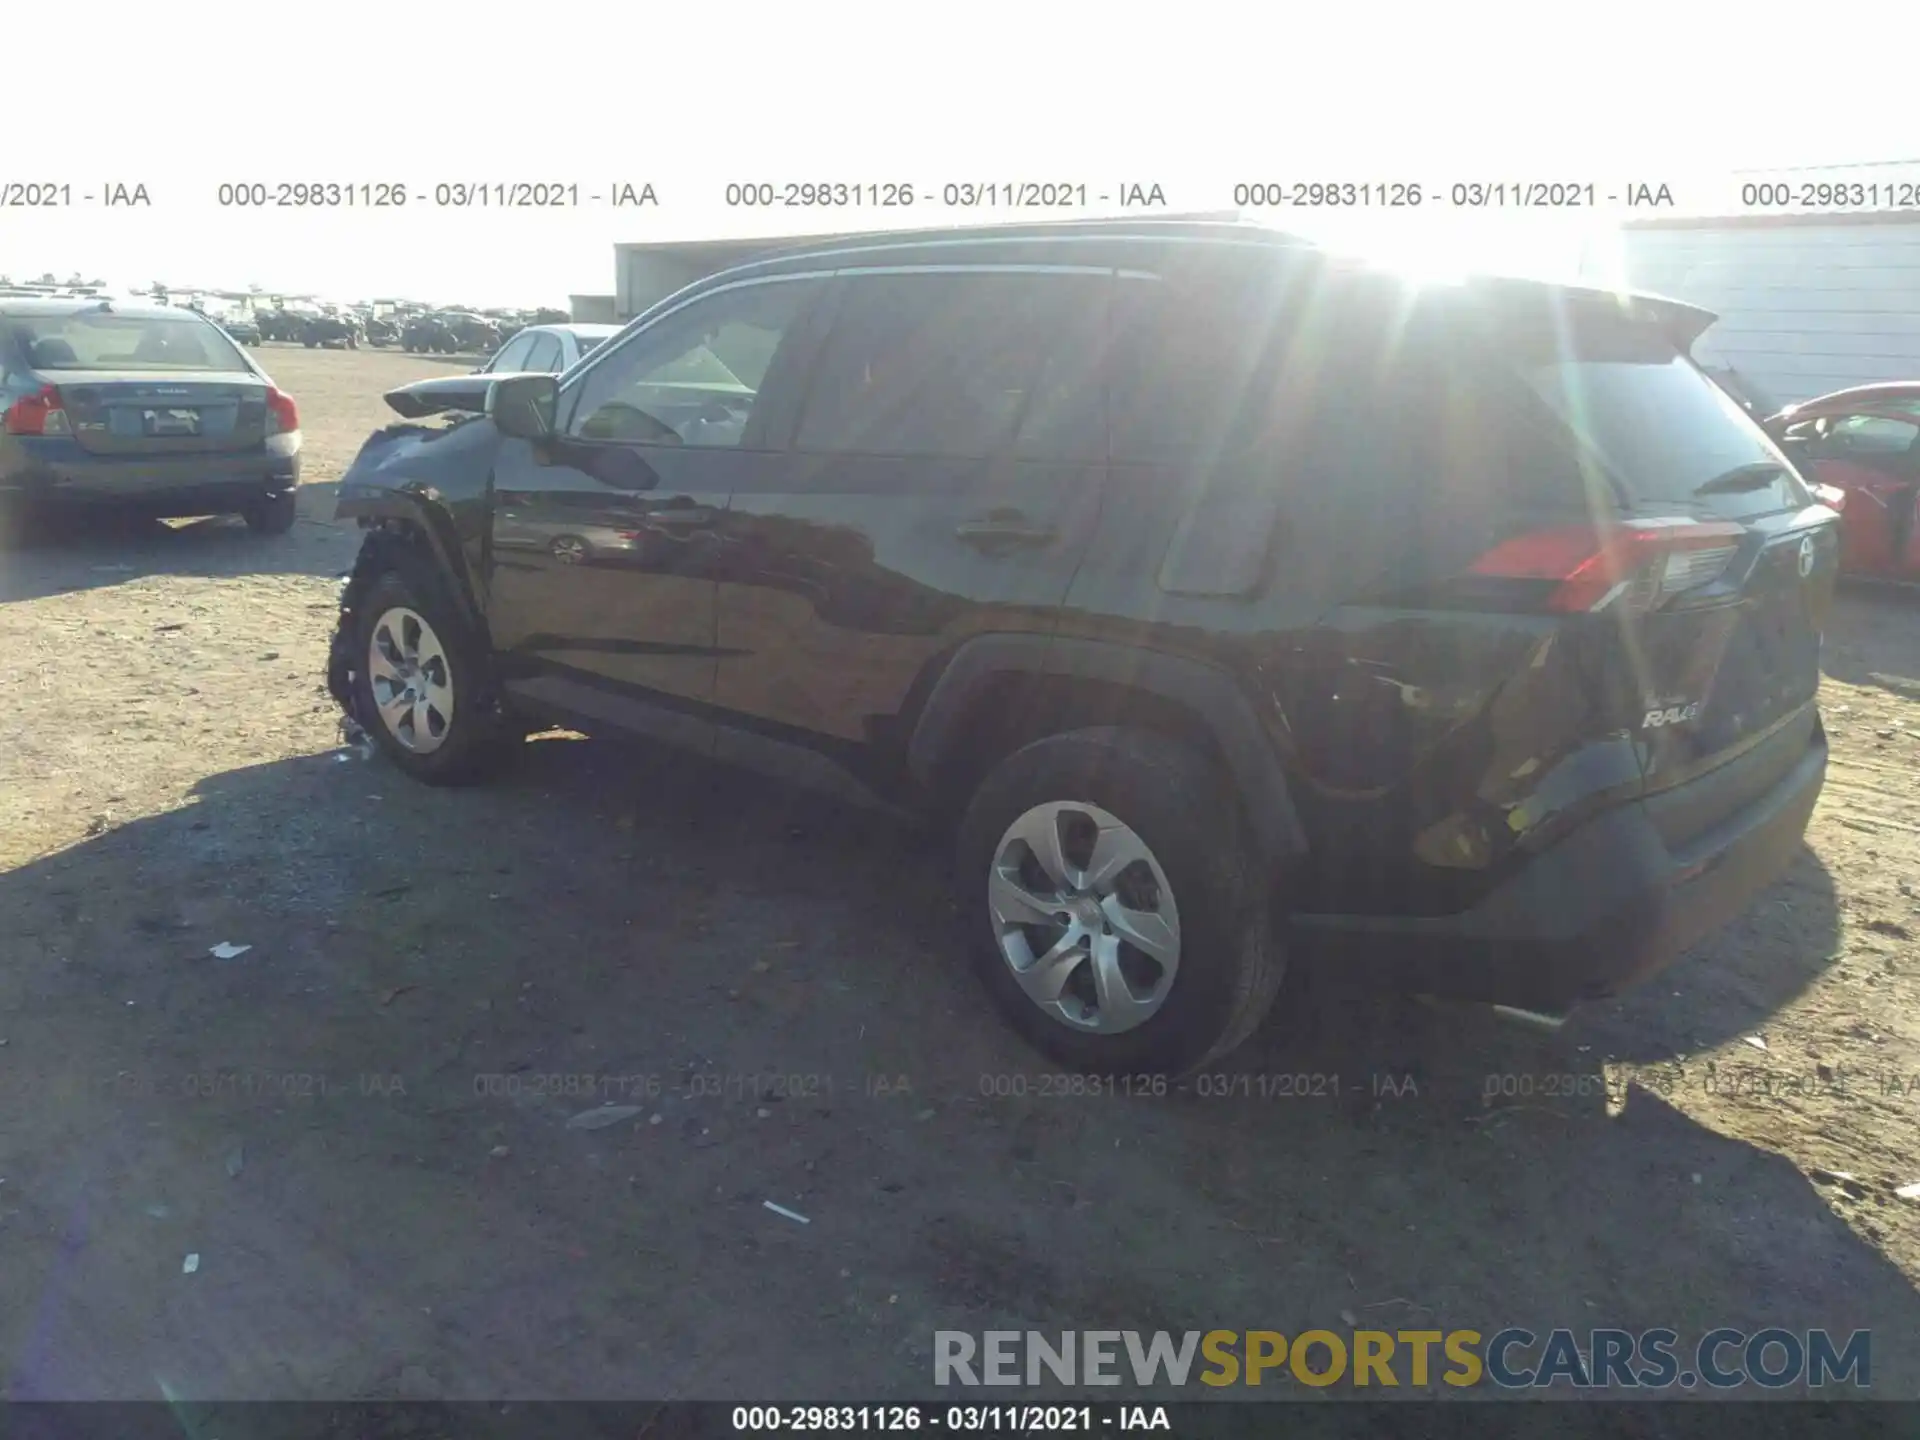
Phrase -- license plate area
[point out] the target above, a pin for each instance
(170, 422)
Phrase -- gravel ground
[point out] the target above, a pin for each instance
(359, 1125)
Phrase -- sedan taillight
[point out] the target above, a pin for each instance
(283, 416)
(42, 413)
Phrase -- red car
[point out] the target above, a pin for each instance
(1864, 444)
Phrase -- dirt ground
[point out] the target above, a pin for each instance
(358, 1125)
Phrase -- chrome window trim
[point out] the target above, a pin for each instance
(990, 268)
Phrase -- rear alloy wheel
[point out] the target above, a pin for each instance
(569, 550)
(1116, 916)
(1085, 917)
(272, 517)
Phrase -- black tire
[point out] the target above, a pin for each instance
(481, 740)
(1231, 960)
(272, 517)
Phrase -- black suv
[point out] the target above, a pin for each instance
(1231, 603)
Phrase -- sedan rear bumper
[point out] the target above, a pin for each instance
(61, 473)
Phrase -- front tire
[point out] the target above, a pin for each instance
(272, 517)
(422, 685)
(1113, 911)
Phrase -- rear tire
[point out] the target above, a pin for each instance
(473, 739)
(272, 517)
(1197, 873)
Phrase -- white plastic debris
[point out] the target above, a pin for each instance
(236, 1160)
(603, 1116)
(1909, 1192)
(1756, 1041)
(191, 1264)
(227, 950)
(790, 1214)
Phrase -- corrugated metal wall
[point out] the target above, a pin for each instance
(1804, 308)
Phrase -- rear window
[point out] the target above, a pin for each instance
(1662, 430)
(94, 340)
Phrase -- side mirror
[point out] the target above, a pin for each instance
(524, 406)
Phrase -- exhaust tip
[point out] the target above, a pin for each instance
(1532, 1019)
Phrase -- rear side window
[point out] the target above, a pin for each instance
(1188, 357)
(962, 365)
(1664, 433)
(100, 340)
(512, 355)
(1381, 422)
(544, 357)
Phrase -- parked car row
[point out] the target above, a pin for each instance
(1227, 605)
(450, 332)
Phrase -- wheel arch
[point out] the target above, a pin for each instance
(396, 519)
(998, 692)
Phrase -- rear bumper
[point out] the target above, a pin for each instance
(189, 484)
(1607, 906)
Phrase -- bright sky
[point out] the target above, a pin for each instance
(1193, 97)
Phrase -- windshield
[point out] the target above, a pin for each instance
(97, 340)
(1664, 430)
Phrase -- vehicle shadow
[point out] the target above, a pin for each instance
(52, 553)
(678, 937)
(1721, 990)
(1870, 639)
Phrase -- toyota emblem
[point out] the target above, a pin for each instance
(1808, 556)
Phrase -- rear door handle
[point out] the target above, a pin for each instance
(1001, 533)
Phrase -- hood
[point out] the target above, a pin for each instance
(442, 395)
(447, 394)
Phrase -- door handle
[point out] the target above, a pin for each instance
(997, 534)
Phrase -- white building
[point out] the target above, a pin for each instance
(1808, 303)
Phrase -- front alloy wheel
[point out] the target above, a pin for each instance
(411, 681)
(1085, 917)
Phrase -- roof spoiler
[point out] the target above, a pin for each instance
(1682, 322)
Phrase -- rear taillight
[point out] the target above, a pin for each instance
(42, 413)
(283, 416)
(1635, 565)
